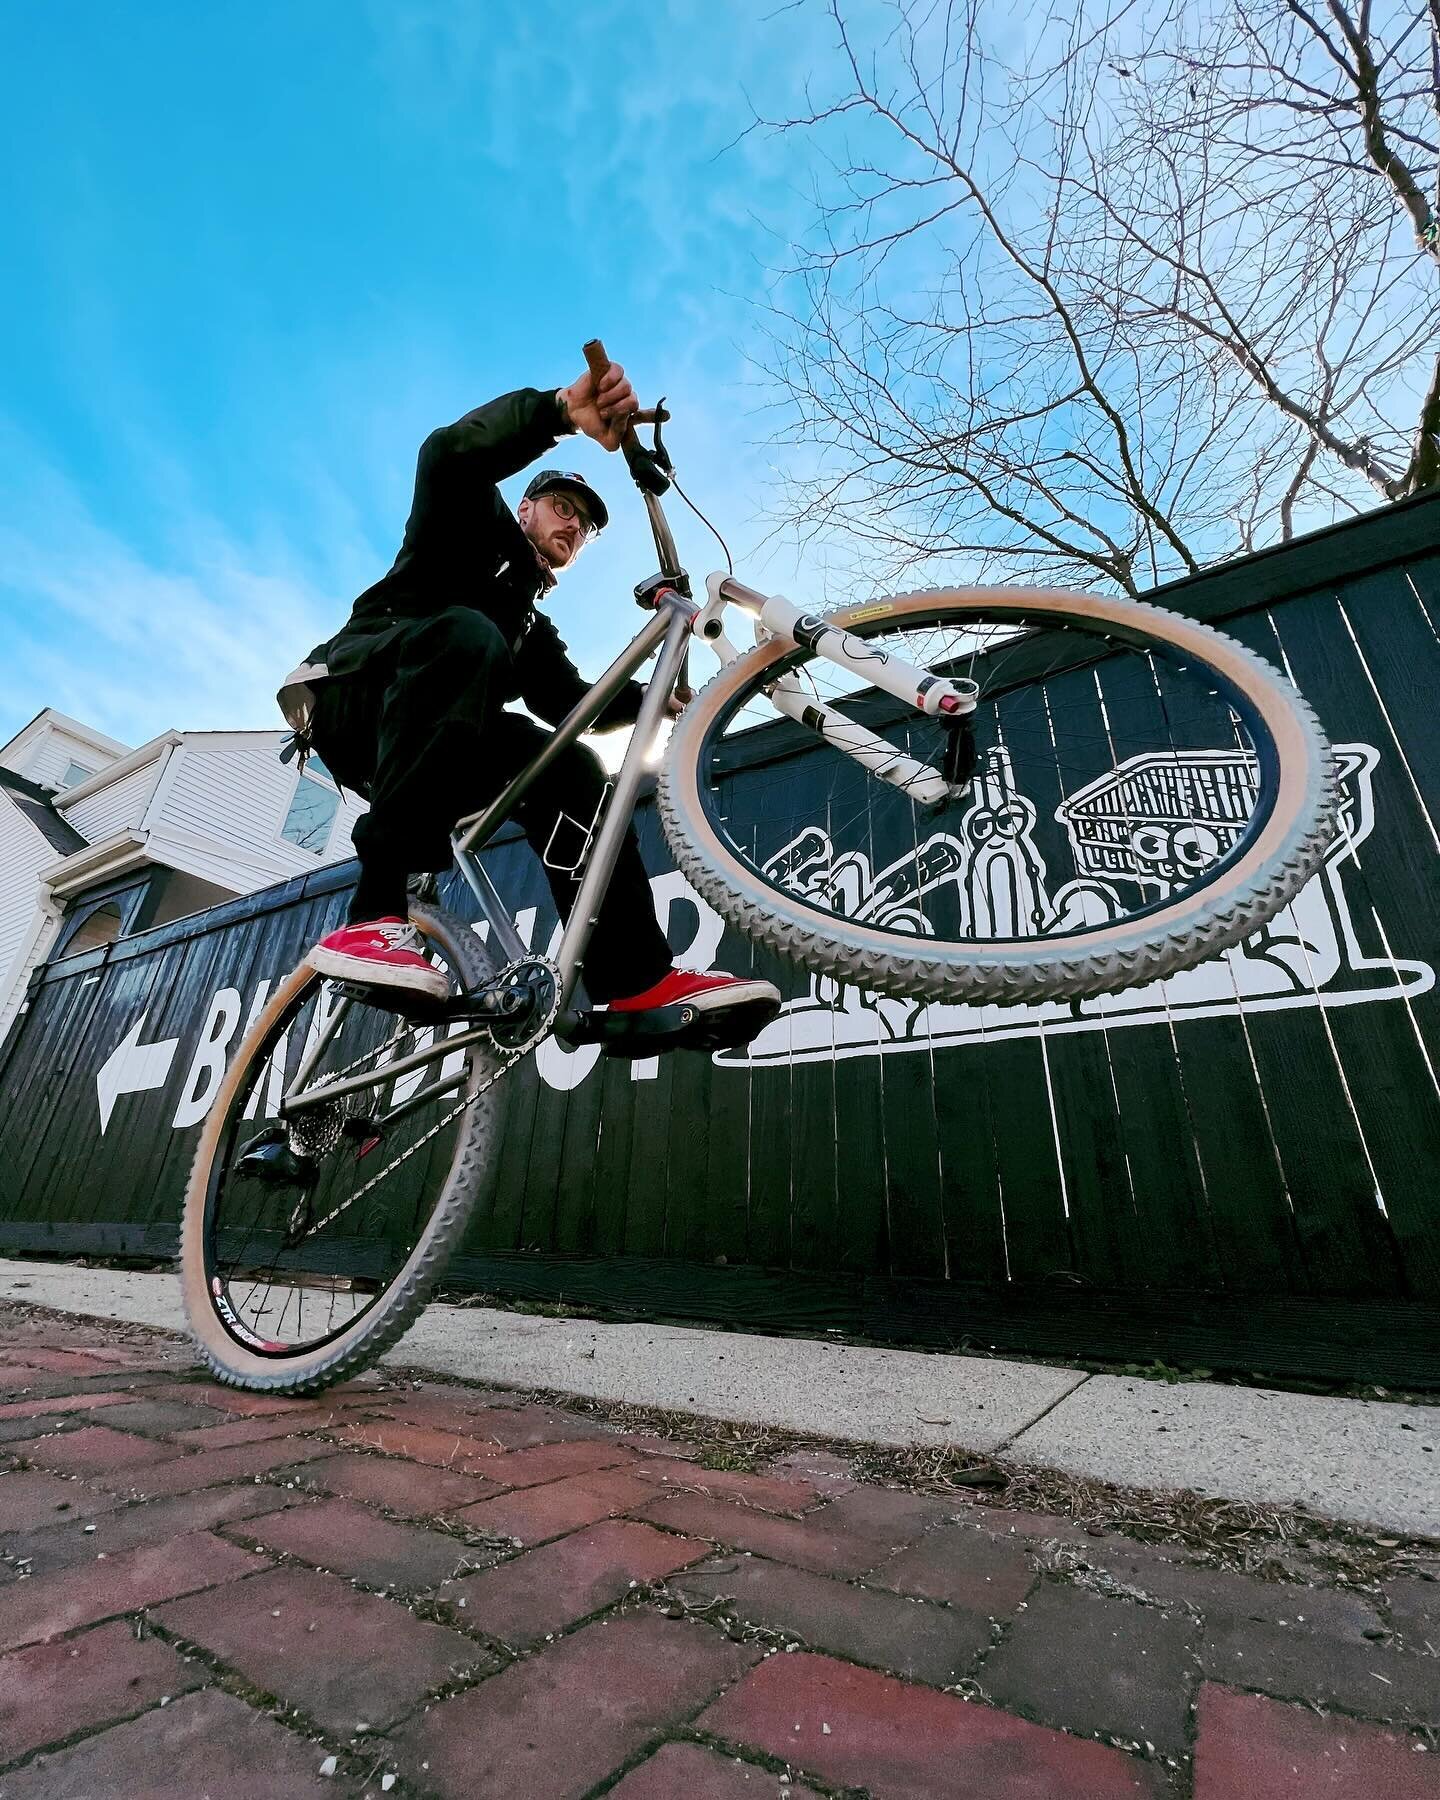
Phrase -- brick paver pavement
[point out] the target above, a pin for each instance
(420, 1589)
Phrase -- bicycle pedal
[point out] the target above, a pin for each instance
(680, 1027)
(729, 1029)
(415, 1009)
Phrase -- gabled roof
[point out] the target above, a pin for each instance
(34, 803)
(48, 718)
(117, 771)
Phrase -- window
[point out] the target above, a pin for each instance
(102, 926)
(74, 775)
(311, 814)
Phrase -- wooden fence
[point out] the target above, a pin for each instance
(1239, 1169)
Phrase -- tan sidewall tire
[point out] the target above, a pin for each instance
(468, 1182)
(1282, 858)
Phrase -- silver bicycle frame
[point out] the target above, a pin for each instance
(669, 630)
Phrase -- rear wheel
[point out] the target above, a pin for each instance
(307, 1249)
(1145, 793)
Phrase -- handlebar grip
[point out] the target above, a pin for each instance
(647, 472)
(597, 360)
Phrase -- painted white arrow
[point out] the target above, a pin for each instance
(133, 1068)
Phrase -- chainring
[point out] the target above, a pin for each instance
(539, 976)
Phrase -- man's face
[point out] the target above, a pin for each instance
(557, 524)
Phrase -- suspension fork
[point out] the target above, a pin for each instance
(950, 702)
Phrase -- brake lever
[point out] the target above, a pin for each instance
(649, 474)
(650, 465)
(660, 453)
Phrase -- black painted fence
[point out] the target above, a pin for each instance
(1240, 1170)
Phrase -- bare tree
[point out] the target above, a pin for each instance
(1157, 287)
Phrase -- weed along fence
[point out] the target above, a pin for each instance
(1238, 1168)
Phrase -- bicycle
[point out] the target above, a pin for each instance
(914, 716)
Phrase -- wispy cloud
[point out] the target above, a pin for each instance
(185, 509)
(196, 637)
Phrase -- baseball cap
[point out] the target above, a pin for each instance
(549, 479)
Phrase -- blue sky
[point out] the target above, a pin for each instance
(252, 255)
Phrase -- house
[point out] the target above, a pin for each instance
(98, 841)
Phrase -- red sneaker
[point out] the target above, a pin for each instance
(381, 953)
(712, 992)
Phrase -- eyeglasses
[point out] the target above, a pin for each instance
(566, 508)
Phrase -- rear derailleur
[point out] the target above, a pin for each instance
(290, 1156)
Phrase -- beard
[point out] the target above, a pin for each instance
(554, 550)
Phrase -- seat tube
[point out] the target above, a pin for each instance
(571, 955)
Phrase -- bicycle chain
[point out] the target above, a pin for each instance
(365, 1055)
(338, 1074)
(390, 1168)
(406, 1028)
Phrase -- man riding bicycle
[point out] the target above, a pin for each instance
(406, 704)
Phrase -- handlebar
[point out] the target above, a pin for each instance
(650, 469)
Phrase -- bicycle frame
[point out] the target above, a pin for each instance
(669, 630)
(676, 617)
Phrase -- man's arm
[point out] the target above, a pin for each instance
(497, 440)
(510, 433)
(552, 687)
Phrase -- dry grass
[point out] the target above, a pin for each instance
(719, 1443)
(1272, 1542)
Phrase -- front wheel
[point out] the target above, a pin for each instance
(1143, 793)
(305, 1253)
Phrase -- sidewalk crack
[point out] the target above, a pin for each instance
(1043, 1413)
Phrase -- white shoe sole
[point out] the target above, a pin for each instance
(743, 993)
(364, 973)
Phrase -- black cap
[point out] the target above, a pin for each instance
(549, 479)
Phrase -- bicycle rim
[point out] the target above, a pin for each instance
(1146, 792)
(293, 1283)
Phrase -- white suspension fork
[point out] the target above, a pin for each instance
(932, 695)
(883, 760)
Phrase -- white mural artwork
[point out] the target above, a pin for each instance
(1150, 824)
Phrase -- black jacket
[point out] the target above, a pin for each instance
(464, 547)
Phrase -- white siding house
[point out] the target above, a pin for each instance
(97, 839)
(56, 752)
(32, 836)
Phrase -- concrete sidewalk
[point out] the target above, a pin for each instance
(1369, 1462)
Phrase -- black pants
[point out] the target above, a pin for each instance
(420, 730)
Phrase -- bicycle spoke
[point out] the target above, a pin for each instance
(273, 1236)
(1095, 769)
